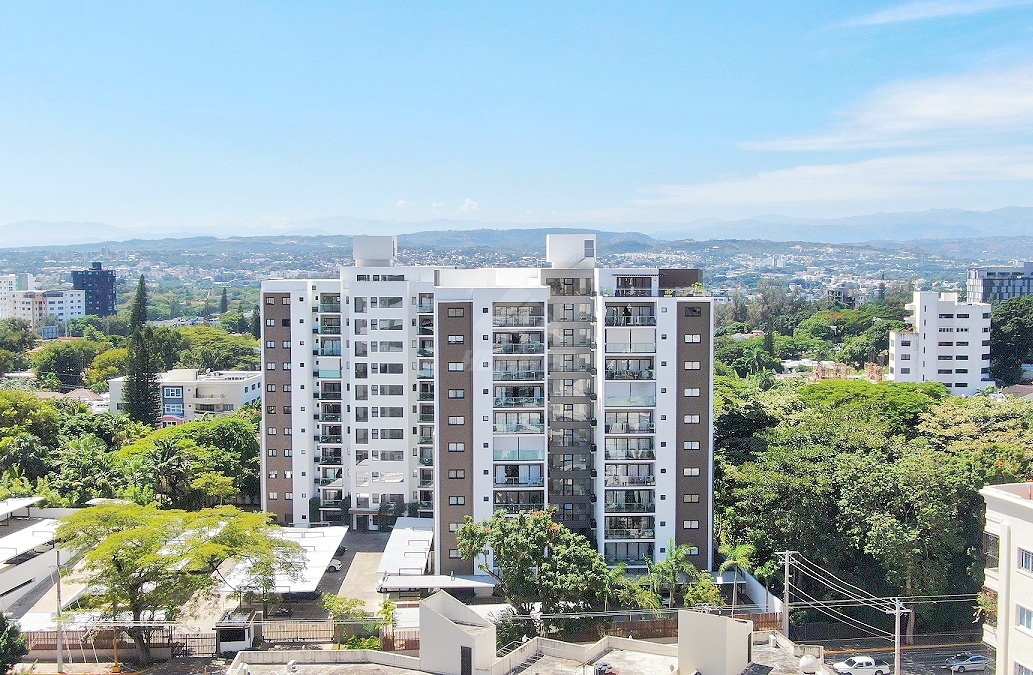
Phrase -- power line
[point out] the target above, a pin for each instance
(856, 623)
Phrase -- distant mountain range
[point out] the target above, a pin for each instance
(939, 224)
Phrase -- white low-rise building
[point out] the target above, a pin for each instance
(187, 394)
(1008, 569)
(949, 342)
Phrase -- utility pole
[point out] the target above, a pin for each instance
(60, 660)
(787, 557)
(897, 611)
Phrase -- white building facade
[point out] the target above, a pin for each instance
(949, 342)
(461, 392)
(187, 394)
(996, 284)
(36, 306)
(1008, 569)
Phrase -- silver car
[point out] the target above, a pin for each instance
(967, 661)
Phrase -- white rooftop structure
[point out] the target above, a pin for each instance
(26, 539)
(408, 548)
(9, 507)
(320, 544)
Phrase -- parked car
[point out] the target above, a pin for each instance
(334, 566)
(967, 661)
(861, 665)
(282, 611)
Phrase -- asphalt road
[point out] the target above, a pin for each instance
(922, 661)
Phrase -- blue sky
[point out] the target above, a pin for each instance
(242, 117)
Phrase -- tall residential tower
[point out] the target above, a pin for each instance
(461, 392)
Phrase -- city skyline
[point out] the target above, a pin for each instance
(248, 119)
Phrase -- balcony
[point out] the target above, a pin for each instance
(572, 342)
(425, 374)
(425, 417)
(517, 508)
(612, 320)
(329, 374)
(425, 330)
(518, 348)
(425, 439)
(581, 287)
(426, 460)
(426, 482)
(425, 308)
(328, 352)
(629, 481)
(330, 504)
(329, 460)
(330, 439)
(514, 482)
(630, 455)
(519, 401)
(632, 292)
(639, 533)
(330, 417)
(328, 395)
(628, 560)
(425, 353)
(637, 374)
(519, 428)
(330, 308)
(518, 375)
(630, 347)
(626, 428)
(630, 507)
(526, 321)
(325, 482)
(425, 396)
(327, 330)
(519, 455)
(631, 401)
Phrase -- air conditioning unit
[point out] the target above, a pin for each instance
(594, 421)
(591, 447)
(595, 474)
(592, 396)
(594, 524)
(593, 497)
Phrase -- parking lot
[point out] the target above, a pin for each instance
(924, 660)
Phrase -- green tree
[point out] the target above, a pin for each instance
(256, 322)
(144, 560)
(12, 644)
(1011, 338)
(106, 366)
(210, 348)
(67, 360)
(141, 394)
(138, 311)
(224, 302)
(16, 335)
(738, 557)
(536, 560)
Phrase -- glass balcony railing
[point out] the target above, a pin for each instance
(628, 560)
(618, 320)
(630, 455)
(519, 455)
(517, 508)
(330, 504)
(519, 401)
(518, 348)
(630, 428)
(425, 439)
(425, 396)
(426, 417)
(637, 374)
(629, 481)
(330, 417)
(331, 439)
(328, 395)
(519, 428)
(572, 342)
(518, 375)
(425, 353)
(631, 401)
(638, 533)
(630, 347)
(331, 459)
(330, 374)
(630, 507)
(517, 321)
(426, 459)
(329, 330)
(425, 308)
(330, 308)
(503, 481)
(425, 374)
(330, 352)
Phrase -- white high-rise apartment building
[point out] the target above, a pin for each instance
(35, 306)
(1008, 570)
(467, 391)
(9, 283)
(949, 342)
(996, 284)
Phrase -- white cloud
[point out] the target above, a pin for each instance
(469, 206)
(892, 178)
(401, 204)
(958, 108)
(933, 9)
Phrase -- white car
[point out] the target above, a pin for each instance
(967, 661)
(861, 665)
(334, 566)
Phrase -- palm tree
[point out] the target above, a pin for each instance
(627, 591)
(738, 557)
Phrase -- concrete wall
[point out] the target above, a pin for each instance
(446, 625)
(246, 658)
(712, 644)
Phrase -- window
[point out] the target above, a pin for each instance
(691, 419)
(456, 312)
(905, 371)
(457, 447)
(690, 524)
(692, 365)
(456, 366)
(272, 495)
(454, 527)
(456, 339)
(1026, 559)
(693, 311)
(457, 501)
(457, 473)
(691, 338)
(905, 357)
(692, 391)
(270, 344)
(173, 392)
(905, 343)
(457, 393)
(690, 498)
(1022, 670)
(270, 322)
(270, 387)
(270, 410)
(286, 344)
(690, 445)
(287, 365)
(453, 552)
(456, 420)
(272, 475)
(1025, 618)
(270, 366)
(690, 471)
(271, 452)
(269, 300)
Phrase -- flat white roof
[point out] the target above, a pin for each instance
(27, 538)
(320, 544)
(408, 547)
(9, 506)
(434, 581)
